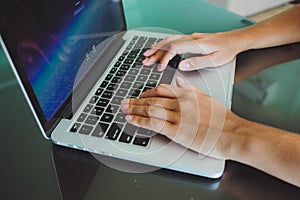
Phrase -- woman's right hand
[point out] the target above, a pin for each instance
(210, 49)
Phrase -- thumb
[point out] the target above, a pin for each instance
(181, 83)
(195, 63)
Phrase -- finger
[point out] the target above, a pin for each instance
(157, 125)
(179, 47)
(195, 63)
(170, 104)
(163, 90)
(161, 44)
(153, 112)
(180, 82)
(154, 58)
(165, 50)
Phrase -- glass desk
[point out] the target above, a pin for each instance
(33, 168)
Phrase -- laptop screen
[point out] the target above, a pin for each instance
(49, 40)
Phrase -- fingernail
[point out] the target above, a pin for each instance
(159, 67)
(128, 118)
(125, 101)
(124, 107)
(185, 66)
(147, 52)
(142, 95)
(180, 80)
(145, 61)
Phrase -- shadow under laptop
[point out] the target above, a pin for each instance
(82, 176)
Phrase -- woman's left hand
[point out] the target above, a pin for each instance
(185, 115)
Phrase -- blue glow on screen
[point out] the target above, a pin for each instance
(63, 50)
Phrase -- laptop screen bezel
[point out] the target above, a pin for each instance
(22, 77)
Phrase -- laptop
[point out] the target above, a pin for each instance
(75, 61)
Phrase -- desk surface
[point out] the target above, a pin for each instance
(33, 168)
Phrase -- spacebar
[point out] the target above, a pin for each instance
(167, 76)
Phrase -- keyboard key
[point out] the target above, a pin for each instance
(121, 58)
(125, 138)
(117, 100)
(137, 66)
(132, 42)
(142, 39)
(107, 117)
(129, 47)
(146, 132)
(121, 92)
(75, 128)
(99, 92)
(82, 117)
(88, 108)
(108, 77)
(112, 109)
(132, 55)
(145, 71)
(143, 131)
(100, 130)
(138, 45)
(111, 87)
(92, 120)
(151, 84)
(120, 118)
(125, 52)
(104, 84)
(154, 76)
(97, 111)
(120, 73)
(128, 61)
(138, 85)
(126, 85)
(130, 129)
(175, 62)
(85, 129)
(125, 67)
(103, 102)
(116, 79)
(114, 131)
(134, 93)
(139, 60)
(142, 78)
(94, 99)
(118, 63)
(133, 72)
(141, 141)
(107, 94)
(152, 40)
(113, 70)
(129, 78)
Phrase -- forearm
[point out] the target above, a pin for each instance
(268, 149)
(280, 29)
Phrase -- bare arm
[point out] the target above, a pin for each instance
(271, 150)
(197, 121)
(219, 48)
(281, 29)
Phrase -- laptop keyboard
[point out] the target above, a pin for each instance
(102, 117)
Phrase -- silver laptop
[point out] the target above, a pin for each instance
(75, 61)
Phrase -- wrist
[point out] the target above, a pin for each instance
(244, 40)
(236, 139)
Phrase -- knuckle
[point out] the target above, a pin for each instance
(172, 46)
(148, 111)
(140, 121)
(159, 89)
